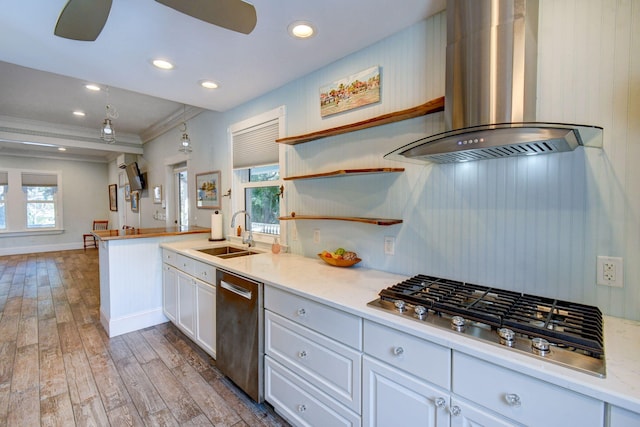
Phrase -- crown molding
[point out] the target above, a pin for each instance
(175, 119)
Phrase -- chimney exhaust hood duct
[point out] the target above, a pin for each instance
(491, 89)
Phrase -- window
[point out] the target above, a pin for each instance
(262, 199)
(40, 190)
(4, 176)
(256, 180)
(30, 202)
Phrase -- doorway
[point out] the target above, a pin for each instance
(181, 196)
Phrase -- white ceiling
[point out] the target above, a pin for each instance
(42, 76)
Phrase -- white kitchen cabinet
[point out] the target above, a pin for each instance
(206, 317)
(423, 359)
(170, 292)
(170, 257)
(619, 417)
(339, 325)
(189, 298)
(187, 304)
(522, 398)
(332, 367)
(312, 361)
(300, 402)
(394, 398)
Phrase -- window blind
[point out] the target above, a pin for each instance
(4, 178)
(39, 179)
(256, 146)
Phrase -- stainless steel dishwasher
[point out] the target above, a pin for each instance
(239, 332)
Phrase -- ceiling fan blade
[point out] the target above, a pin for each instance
(234, 15)
(82, 19)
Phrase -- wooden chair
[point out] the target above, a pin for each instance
(89, 239)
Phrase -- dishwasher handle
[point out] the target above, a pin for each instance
(236, 289)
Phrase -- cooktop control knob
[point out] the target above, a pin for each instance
(457, 323)
(400, 305)
(507, 337)
(420, 311)
(540, 346)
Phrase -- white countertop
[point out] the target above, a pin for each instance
(350, 289)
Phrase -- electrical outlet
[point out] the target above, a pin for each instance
(389, 245)
(316, 236)
(609, 271)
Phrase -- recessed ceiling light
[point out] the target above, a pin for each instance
(62, 149)
(92, 87)
(163, 64)
(79, 113)
(209, 84)
(301, 29)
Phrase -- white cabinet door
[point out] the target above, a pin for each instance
(467, 415)
(187, 304)
(393, 398)
(206, 317)
(170, 292)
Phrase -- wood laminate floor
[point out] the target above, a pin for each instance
(58, 367)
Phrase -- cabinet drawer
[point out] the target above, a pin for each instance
(170, 257)
(520, 397)
(428, 361)
(204, 272)
(343, 327)
(332, 367)
(185, 264)
(300, 402)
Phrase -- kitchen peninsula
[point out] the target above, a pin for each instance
(131, 275)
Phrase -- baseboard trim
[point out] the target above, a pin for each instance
(40, 248)
(132, 322)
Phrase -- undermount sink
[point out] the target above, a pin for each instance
(227, 251)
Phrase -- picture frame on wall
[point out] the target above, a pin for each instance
(127, 192)
(157, 194)
(113, 197)
(347, 93)
(135, 201)
(208, 190)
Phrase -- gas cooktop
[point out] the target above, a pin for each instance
(561, 332)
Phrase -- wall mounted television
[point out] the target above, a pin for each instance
(136, 179)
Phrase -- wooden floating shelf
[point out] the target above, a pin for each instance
(345, 172)
(433, 106)
(375, 221)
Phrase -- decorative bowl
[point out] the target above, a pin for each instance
(339, 262)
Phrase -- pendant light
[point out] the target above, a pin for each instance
(185, 142)
(107, 132)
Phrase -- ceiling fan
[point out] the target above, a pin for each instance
(84, 19)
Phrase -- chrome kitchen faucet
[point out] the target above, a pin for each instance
(247, 236)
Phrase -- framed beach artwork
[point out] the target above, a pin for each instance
(127, 192)
(354, 91)
(208, 190)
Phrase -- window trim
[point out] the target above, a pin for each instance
(238, 185)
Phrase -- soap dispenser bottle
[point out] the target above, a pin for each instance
(275, 246)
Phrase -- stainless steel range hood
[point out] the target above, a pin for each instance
(491, 89)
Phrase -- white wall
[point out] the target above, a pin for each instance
(85, 198)
(533, 225)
